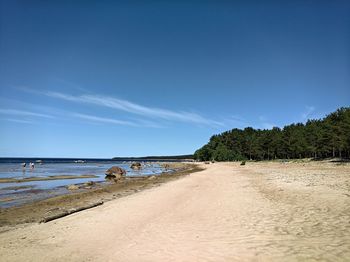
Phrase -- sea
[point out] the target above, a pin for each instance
(19, 193)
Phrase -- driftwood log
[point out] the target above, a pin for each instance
(69, 212)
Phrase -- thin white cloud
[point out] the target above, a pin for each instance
(103, 119)
(137, 109)
(23, 113)
(262, 118)
(307, 113)
(236, 122)
(146, 123)
(19, 121)
(265, 124)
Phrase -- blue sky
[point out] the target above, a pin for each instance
(135, 78)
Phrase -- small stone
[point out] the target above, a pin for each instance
(72, 187)
(136, 166)
(89, 183)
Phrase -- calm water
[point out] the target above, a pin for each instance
(19, 193)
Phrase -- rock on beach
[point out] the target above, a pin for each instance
(136, 166)
(72, 187)
(115, 172)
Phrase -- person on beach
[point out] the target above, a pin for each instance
(23, 168)
(31, 165)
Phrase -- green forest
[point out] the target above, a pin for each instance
(317, 138)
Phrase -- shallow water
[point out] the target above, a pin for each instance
(12, 194)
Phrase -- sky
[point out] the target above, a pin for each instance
(98, 79)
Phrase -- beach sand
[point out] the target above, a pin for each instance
(264, 211)
(84, 195)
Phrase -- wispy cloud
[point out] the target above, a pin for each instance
(309, 110)
(103, 119)
(19, 121)
(147, 123)
(265, 123)
(130, 107)
(236, 122)
(23, 113)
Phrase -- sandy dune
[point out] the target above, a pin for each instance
(257, 212)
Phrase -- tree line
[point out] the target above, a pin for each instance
(147, 158)
(317, 138)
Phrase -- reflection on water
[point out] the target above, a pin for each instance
(19, 193)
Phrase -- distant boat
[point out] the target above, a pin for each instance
(40, 162)
(79, 161)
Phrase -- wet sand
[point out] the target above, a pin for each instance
(30, 179)
(258, 212)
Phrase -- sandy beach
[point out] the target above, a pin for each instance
(265, 211)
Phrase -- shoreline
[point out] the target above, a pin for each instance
(36, 211)
(48, 178)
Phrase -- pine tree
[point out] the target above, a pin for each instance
(327, 137)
